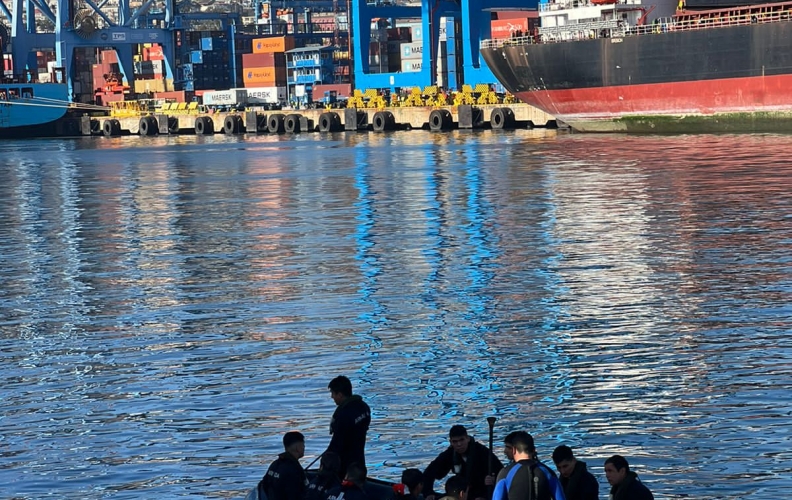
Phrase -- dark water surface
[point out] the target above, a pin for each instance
(169, 307)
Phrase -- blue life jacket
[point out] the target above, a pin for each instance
(502, 488)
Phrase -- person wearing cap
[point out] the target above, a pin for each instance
(285, 478)
(464, 457)
(527, 477)
(349, 424)
(625, 484)
(578, 482)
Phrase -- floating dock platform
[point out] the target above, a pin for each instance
(292, 121)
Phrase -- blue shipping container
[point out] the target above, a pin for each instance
(206, 43)
(196, 57)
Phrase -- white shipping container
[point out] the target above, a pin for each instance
(267, 95)
(411, 66)
(225, 97)
(412, 50)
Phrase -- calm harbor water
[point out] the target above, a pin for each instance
(169, 307)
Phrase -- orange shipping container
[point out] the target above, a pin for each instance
(506, 28)
(272, 44)
(155, 53)
(263, 60)
(265, 76)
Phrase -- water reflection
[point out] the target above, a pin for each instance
(169, 307)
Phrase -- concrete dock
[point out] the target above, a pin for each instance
(291, 121)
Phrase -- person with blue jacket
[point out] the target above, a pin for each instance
(527, 478)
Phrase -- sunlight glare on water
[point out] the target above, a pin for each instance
(169, 307)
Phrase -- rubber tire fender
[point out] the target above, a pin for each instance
(440, 119)
(382, 121)
(204, 125)
(232, 124)
(148, 126)
(275, 123)
(291, 124)
(108, 128)
(502, 119)
(329, 122)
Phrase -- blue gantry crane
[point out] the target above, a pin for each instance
(472, 16)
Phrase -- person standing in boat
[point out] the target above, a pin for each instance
(625, 484)
(349, 424)
(527, 477)
(578, 482)
(285, 478)
(467, 458)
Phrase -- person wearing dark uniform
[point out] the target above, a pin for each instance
(527, 477)
(465, 457)
(326, 480)
(578, 482)
(285, 478)
(349, 424)
(411, 485)
(354, 485)
(625, 484)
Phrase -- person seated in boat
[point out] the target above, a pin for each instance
(354, 485)
(625, 484)
(464, 457)
(527, 477)
(578, 482)
(285, 478)
(326, 479)
(411, 485)
(456, 489)
(349, 424)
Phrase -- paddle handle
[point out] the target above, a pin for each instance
(491, 423)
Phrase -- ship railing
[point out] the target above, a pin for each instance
(615, 28)
(575, 4)
(672, 24)
(581, 31)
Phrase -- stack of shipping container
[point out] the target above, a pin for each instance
(150, 70)
(209, 65)
(266, 65)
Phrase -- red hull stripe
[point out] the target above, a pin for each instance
(707, 97)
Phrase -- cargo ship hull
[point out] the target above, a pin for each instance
(730, 78)
(32, 109)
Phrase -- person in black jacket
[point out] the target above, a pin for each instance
(354, 485)
(578, 482)
(467, 458)
(527, 477)
(285, 478)
(625, 484)
(349, 424)
(326, 479)
(411, 485)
